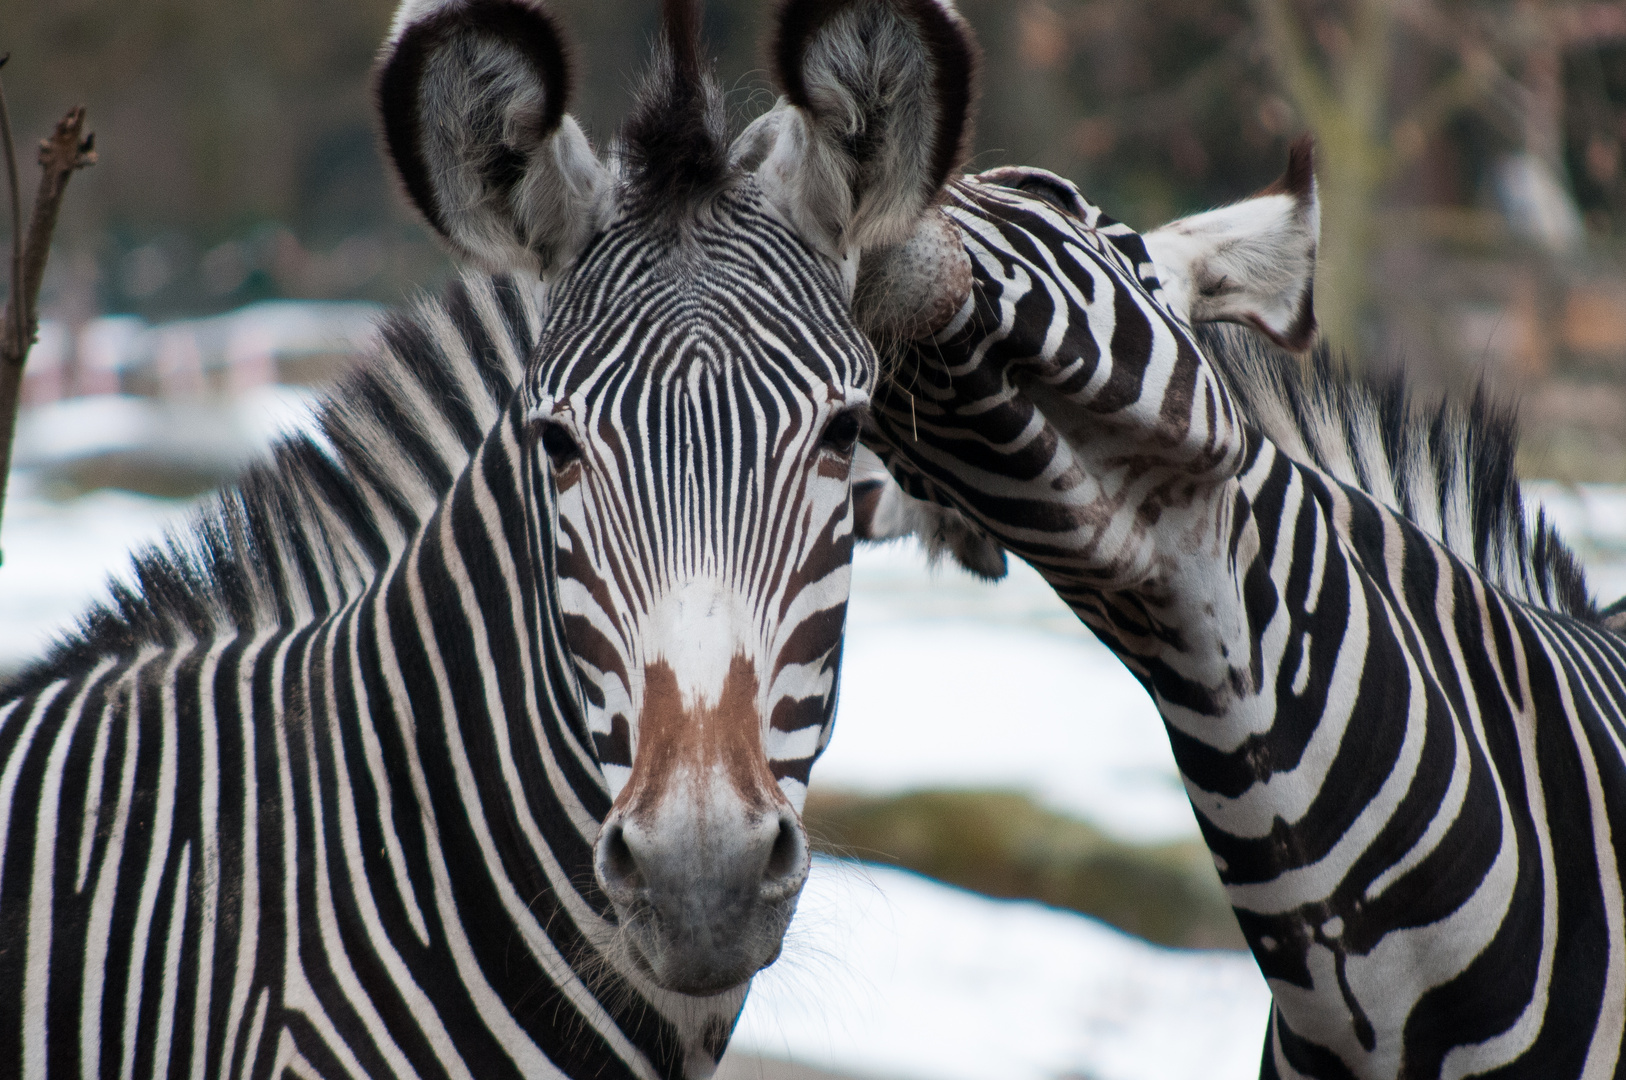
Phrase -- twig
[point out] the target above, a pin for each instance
(65, 152)
(14, 324)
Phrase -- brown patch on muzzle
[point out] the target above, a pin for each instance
(673, 742)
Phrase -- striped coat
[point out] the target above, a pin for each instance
(1400, 718)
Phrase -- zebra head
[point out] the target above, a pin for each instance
(1068, 371)
(691, 408)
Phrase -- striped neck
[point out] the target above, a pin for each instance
(1394, 707)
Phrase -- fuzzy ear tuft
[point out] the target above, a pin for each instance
(675, 144)
(472, 96)
(875, 118)
(1252, 262)
(1299, 179)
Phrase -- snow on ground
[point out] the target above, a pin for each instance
(185, 432)
(949, 682)
(59, 555)
(59, 552)
(1592, 517)
(887, 974)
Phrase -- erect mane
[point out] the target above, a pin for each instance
(316, 523)
(1448, 469)
(674, 145)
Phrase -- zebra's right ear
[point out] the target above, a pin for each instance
(472, 95)
(874, 120)
(1252, 262)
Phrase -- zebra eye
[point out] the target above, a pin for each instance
(841, 432)
(561, 448)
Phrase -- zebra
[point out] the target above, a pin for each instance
(469, 736)
(1397, 712)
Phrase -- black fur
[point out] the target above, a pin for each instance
(1473, 447)
(1299, 177)
(675, 143)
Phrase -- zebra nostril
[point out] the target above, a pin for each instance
(787, 861)
(618, 866)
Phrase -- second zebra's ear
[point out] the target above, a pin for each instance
(472, 96)
(874, 120)
(1252, 262)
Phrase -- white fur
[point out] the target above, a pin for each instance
(1252, 262)
(868, 74)
(701, 625)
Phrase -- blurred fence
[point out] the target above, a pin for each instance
(298, 343)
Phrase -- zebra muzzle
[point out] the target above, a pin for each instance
(703, 897)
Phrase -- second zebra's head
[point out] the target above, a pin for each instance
(692, 406)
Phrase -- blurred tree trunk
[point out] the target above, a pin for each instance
(1338, 75)
(1345, 102)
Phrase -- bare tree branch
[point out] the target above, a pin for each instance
(13, 325)
(65, 152)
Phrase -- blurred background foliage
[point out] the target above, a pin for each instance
(1475, 140)
(239, 159)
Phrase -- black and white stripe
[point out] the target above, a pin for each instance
(468, 738)
(319, 794)
(731, 390)
(264, 814)
(1400, 719)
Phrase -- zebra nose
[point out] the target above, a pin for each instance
(786, 869)
(617, 866)
(772, 856)
(704, 905)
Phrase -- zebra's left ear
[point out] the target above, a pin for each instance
(1252, 262)
(874, 120)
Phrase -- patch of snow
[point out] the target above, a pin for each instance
(950, 682)
(58, 556)
(1592, 519)
(885, 973)
(60, 553)
(230, 431)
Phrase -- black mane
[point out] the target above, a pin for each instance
(1448, 469)
(314, 524)
(675, 143)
